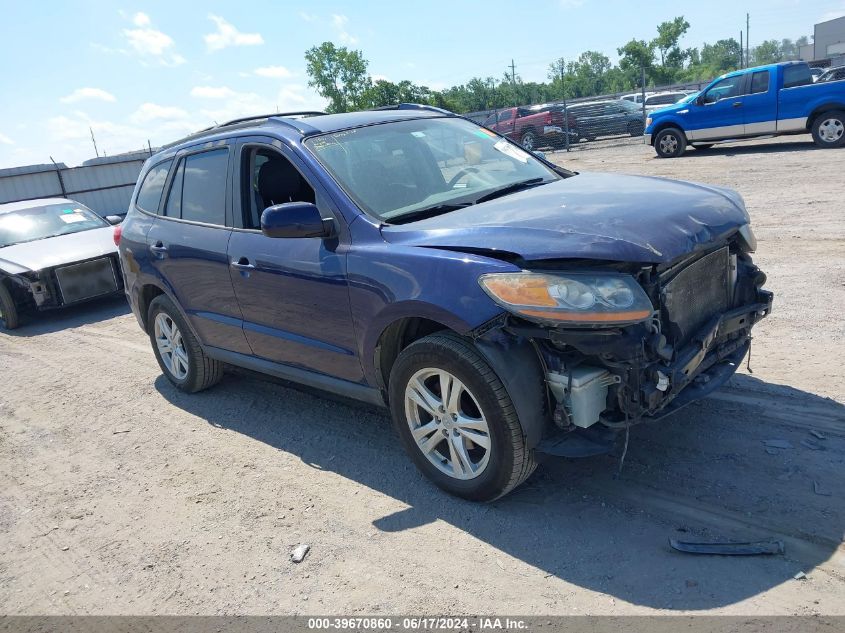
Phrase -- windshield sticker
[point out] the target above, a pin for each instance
(484, 133)
(70, 218)
(418, 134)
(511, 151)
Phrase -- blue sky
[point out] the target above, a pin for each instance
(157, 70)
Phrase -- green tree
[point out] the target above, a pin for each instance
(339, 75)
(635, 56)
(768, 52)
(719, 58)
(672, 57)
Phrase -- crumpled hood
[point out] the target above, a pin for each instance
(53, 251)
(591, 216)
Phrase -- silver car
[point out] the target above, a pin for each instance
(54, 252)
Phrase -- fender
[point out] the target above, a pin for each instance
(515, 362)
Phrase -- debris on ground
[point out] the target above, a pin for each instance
(817, 434)
(777, 443)
(812, 445)
(800, 576)
(729, 549)
(299, 553)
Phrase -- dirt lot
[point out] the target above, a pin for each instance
(120, 495)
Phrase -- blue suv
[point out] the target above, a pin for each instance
(499, 305)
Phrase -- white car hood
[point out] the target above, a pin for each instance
(53, 251)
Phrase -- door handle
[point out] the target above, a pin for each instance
(158, 249)
(242, 264)
(737, 104)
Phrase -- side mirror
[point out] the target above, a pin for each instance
(295, 219)
(114, 219)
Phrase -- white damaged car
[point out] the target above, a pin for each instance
(54, 252)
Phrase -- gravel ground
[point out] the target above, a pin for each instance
(120, 495)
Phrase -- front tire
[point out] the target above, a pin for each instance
(829, 129)
(9, 319)
(456, 420)
(670, 143)
(179, 354)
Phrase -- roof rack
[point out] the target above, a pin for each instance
(414, 106)
(242, 122)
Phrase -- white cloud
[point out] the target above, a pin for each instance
(339, 23)
(273, 72)
(308, 17)
(81, 94)
(150, 43)
(5, 140)
(141, 19)
(226, 104)
(227, 35)
(148, 112)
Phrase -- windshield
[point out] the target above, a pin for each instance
(52, 220)
(401, 169)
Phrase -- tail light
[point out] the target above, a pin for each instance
(118, 231)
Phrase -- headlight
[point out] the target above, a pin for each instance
(748, 238)
(578, 298)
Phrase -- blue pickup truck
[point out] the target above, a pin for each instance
(763, 101)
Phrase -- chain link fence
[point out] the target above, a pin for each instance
(585, 123)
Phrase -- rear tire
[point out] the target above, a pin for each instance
(179, 354)
(436, 432)
(9, 319)
(529, 141)
(829, 129)
(670, 143)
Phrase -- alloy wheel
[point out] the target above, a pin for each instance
(171, 346)
(447, 423)
(668, 144)
(831, 130)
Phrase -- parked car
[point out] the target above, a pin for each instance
(832, 74)
(763, 101)
(533, 126)
(607, 118)
(662, 99)
(499, 305)
(54, 252)
(636, 97)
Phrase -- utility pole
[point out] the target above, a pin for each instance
(513, 82)
(93, 140)
(741, 51)
(747, 40)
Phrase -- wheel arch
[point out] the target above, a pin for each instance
(659, 126)
(819, 110)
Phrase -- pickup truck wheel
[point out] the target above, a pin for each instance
(178, 353)
(829, 129)
(8, 310)
(456, 420)
(670, 143)
(529, 140)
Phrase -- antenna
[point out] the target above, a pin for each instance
(93, 140)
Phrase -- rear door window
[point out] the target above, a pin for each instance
(204, 187)
(760, 82)
(798, 75)
(149, 195)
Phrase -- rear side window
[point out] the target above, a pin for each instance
(760, 82)
(202, 194)
(149, 195)
(796, 76)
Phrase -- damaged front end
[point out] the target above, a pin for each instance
(633, 342)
